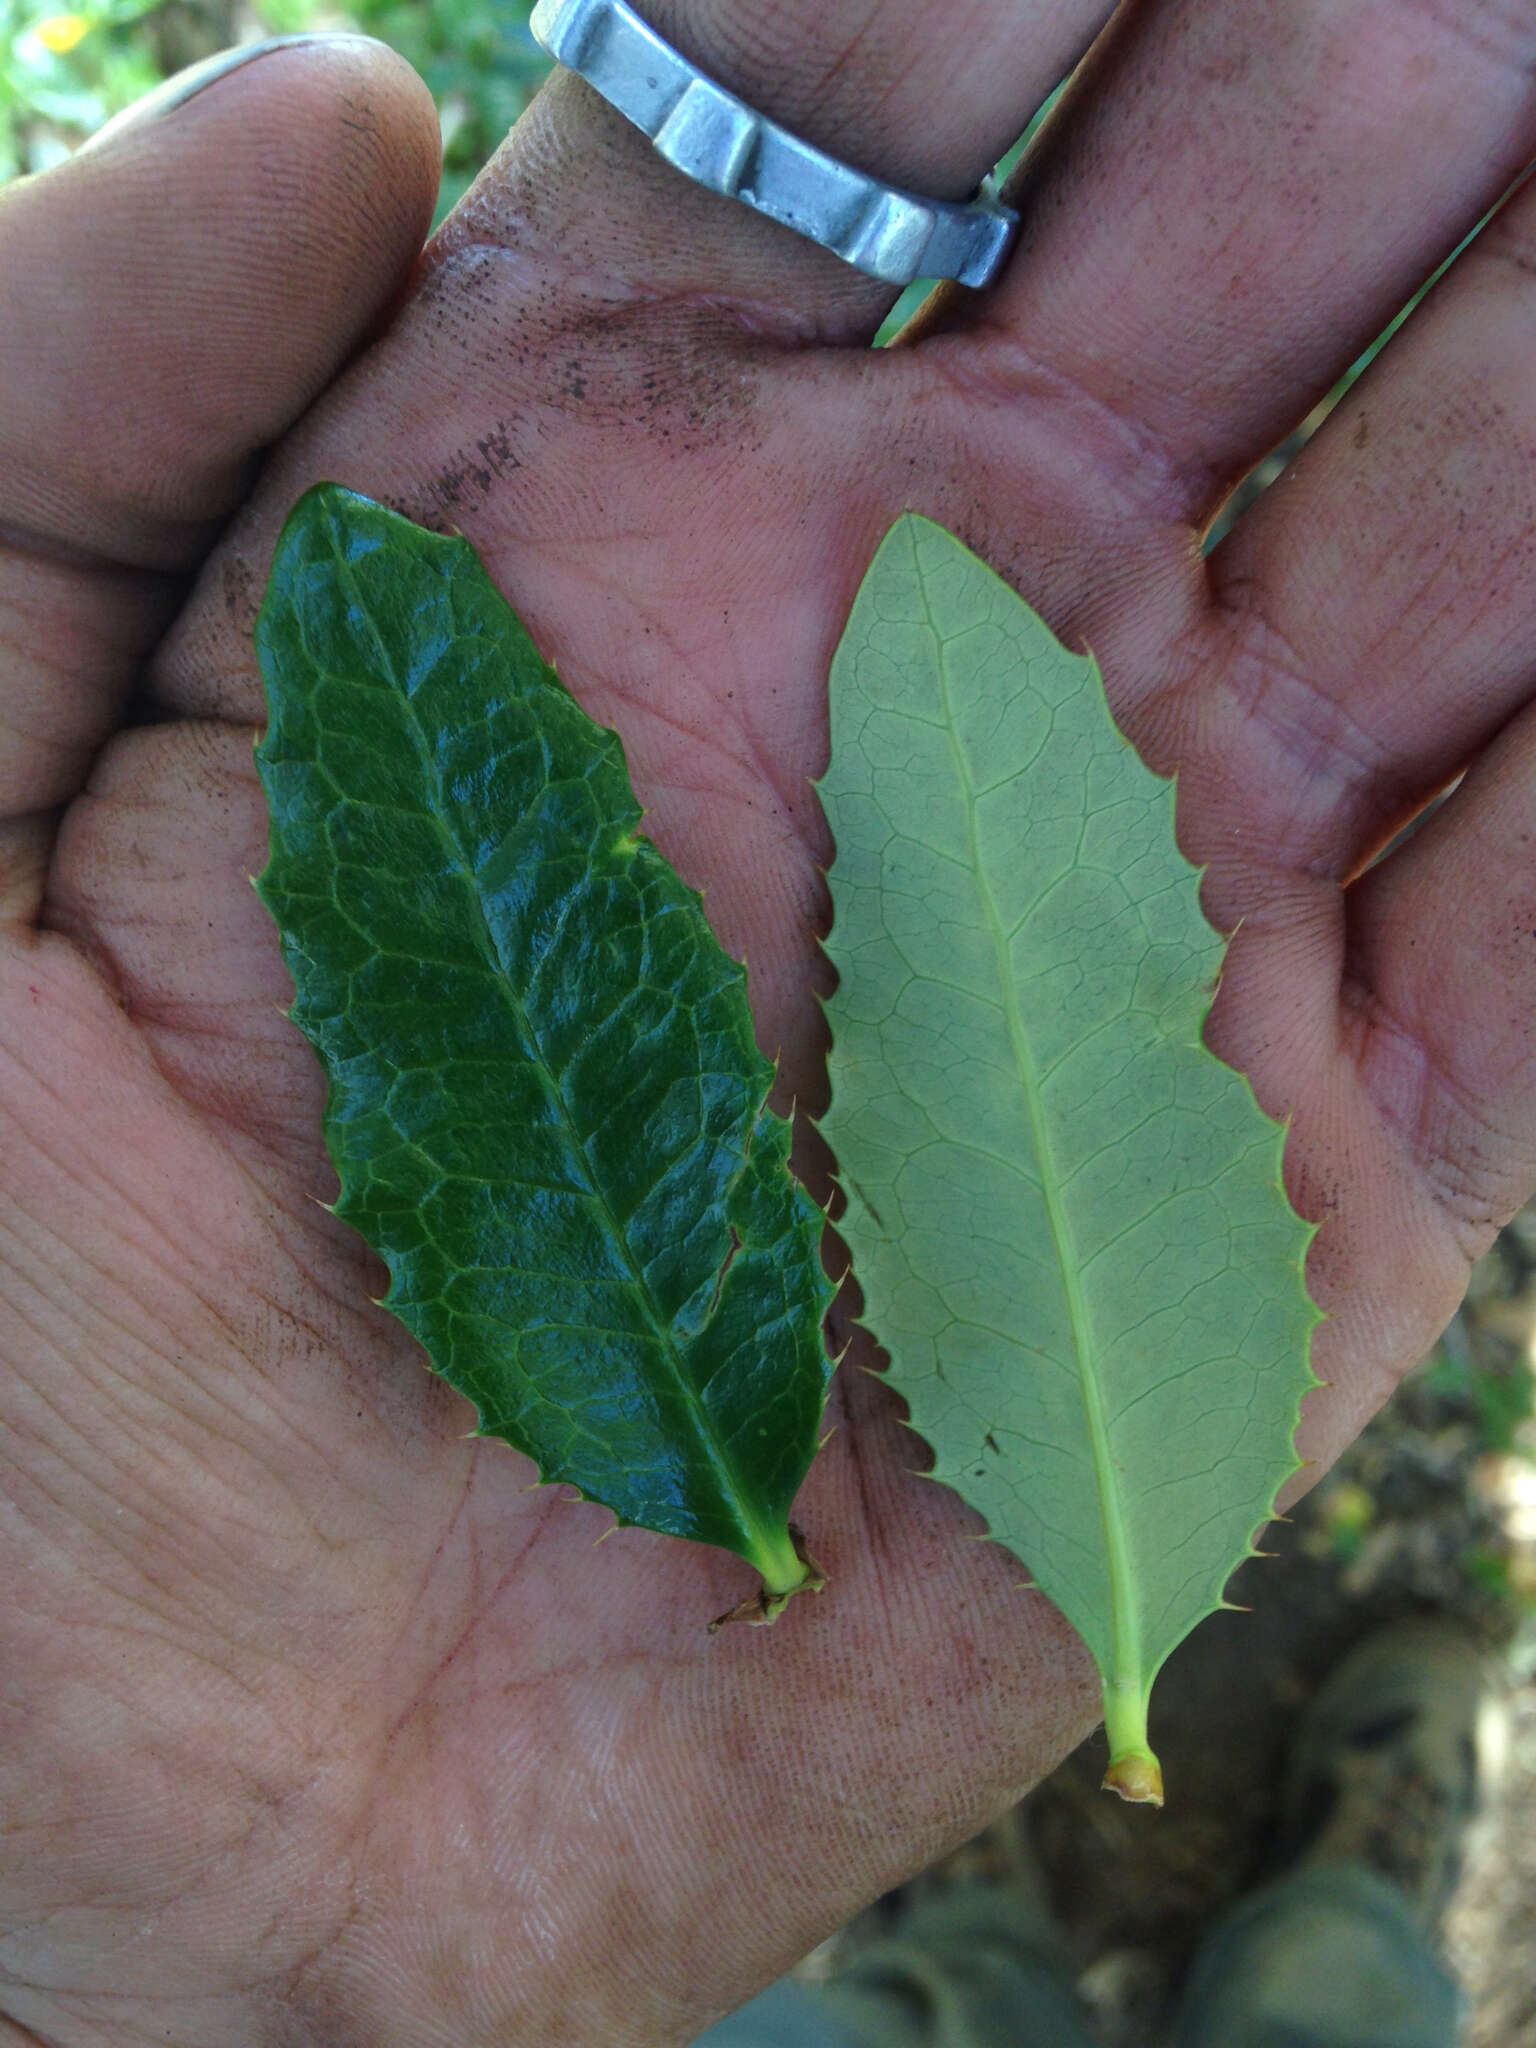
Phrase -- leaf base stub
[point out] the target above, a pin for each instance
(1137, 1776)
(762, 1608)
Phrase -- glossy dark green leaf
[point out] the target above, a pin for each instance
(546, 1109)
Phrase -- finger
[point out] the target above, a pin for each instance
(1440, 988)
(1235, 201)
(1416, 1078)
(1382, 601)
(174, 297)
(924, 98)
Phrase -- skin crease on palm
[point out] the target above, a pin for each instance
(320, 1726)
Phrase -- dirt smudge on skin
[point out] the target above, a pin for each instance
(473, 471)
(237, 587)
(668, 368)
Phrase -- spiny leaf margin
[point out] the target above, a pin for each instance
(1001, 854)
(590, 1225)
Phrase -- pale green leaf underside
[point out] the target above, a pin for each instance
(1065, 1215)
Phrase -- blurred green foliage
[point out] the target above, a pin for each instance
(1498, 1396)
(65, 69)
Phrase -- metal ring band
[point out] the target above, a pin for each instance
(719, 141)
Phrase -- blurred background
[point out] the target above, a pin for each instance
(63, 72)
(1433, 1509)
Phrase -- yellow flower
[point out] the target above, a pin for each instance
(60, 32)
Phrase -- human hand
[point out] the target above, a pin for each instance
(319, 1726)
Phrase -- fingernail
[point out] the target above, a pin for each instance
(186, 85)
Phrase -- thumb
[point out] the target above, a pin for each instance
(173, 298)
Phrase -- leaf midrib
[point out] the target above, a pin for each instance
(709, 1441)
(1124, 1632)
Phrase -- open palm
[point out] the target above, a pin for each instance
(320, 1725)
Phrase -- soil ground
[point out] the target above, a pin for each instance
(1434, 1509)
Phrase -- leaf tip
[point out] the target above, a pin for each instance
(1137, 1776)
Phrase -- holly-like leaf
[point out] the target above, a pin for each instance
(1065, 1214)
(545, 1107)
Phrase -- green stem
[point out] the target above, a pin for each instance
(787, 1568)
(775, 1555)
(1134, 1771)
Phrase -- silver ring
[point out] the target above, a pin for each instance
(716, 139)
